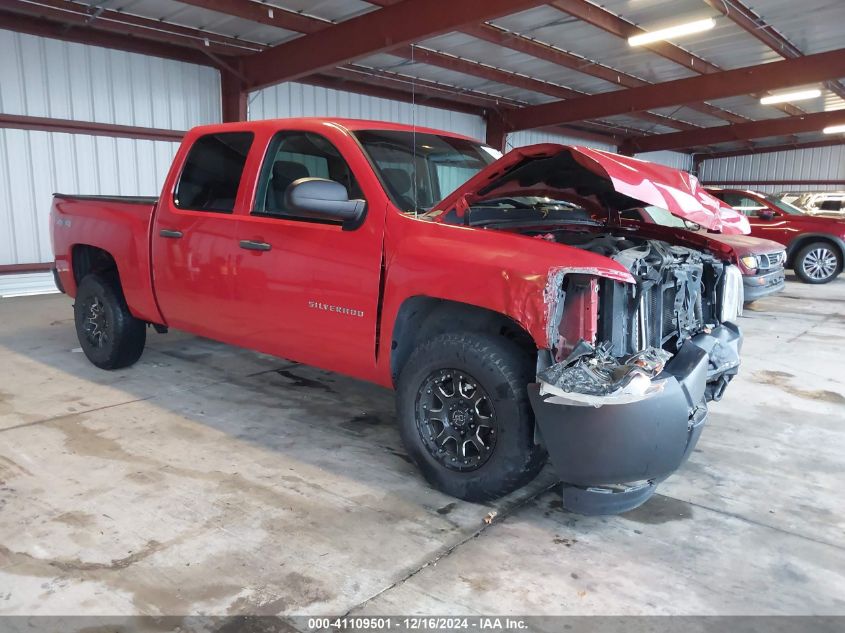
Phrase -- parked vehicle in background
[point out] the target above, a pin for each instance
(822, 203)
(760, 261)
(815, 244)
(512, 322)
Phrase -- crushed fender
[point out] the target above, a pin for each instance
(591, 376)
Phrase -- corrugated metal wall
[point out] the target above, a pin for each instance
(294, 99)
(64, 80)
(815, 163)
(532, 137)
(33, 165)
(49, 78)
(678, 160)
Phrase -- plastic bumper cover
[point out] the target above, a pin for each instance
(763, 284)
(612, 457)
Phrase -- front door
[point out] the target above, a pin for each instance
(309, 290)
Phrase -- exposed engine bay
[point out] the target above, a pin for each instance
(614, 338)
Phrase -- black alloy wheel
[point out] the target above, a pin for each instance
(456, 420)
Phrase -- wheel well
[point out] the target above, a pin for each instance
(421, 318)
(90, 259)
(804, 240)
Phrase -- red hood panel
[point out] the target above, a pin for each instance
(676, 191)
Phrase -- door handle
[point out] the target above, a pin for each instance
(170, 233)
(255, 246)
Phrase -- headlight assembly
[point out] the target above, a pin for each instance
(733, 294)
(750, 261)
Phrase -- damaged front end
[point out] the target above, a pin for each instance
(621, 395)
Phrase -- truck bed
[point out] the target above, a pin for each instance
(119, 225)
(148, 200)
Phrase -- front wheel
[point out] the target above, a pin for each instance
(818, 263)
(108, 333)
(465, 418)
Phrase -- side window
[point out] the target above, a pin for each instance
(295, 155)
(744, 204)
(212, 172)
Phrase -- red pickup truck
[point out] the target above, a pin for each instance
(512, 323)
(815, 244)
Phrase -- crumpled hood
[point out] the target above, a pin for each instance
(648, 183)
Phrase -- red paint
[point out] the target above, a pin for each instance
(676, 191)
(281, 301)
(784, 228)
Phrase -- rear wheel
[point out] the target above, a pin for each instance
(818, 263)
(108, 333)
(464, 415)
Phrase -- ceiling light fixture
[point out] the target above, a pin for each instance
(798, 95)
(672, 32)
(834, 129)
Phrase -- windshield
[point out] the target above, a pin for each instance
(787, 208)
(664, 218)
(419, 169)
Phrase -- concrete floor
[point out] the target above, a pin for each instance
(208, 479)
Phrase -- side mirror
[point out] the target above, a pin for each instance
(692, 226)
(322, 199)
(766, 214)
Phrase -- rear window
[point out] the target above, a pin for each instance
(212, 172)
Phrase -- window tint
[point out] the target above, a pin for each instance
(212, 172)
(744, 204)
(295, 155)
(831, 204)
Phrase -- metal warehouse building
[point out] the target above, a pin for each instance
(451, 315)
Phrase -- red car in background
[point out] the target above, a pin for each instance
(760, 261)
(815, 245)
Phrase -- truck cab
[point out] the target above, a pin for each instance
(517, 319)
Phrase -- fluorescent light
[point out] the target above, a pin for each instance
(834, 129)
(672, 32)
(798, 95)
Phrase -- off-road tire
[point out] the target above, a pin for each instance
(503, 370)
(125, 335)
(814, 250)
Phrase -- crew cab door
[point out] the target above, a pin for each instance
(194, 250)
(309, 290)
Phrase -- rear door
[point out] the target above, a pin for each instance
(309, 290)
(194, 250)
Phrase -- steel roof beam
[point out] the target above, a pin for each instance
(254, 11)
(418, 91)
(107, 39)
(620, 27)
(727, 83)
(509, 78)
(753, 24)
(768, 149)
(514, 41)
(269, 15)
(368, 34)
(736, 132)
(82, 16)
